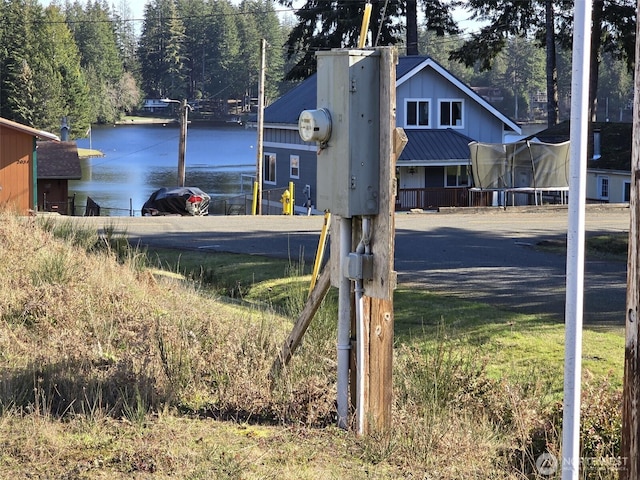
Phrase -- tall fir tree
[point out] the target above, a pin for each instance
(326, 24)
(94, 32)
(196, 15)
(16, 75)
(224, 51)
(161, 51)
(258, 20)
(61, 85)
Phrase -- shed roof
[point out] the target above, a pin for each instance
(435, 146)
(28, 130)
(58, 160)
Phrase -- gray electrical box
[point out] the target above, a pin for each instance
(348, 162)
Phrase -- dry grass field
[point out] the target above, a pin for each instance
(116, 362)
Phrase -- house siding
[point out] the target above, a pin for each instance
(283, 136)
(616, 185)
(306, 176)
(16, 170)
(429, 84)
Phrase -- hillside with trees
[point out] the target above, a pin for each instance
(93, 63)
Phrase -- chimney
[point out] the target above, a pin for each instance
(596, 144)
(64, 130)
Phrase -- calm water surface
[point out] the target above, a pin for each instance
(139, 159)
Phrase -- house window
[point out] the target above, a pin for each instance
(456, 176)
(417, 113)
(451, 113)
(294, 166)
(603, 188)
(269, 174)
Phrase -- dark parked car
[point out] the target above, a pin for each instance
(177, 201)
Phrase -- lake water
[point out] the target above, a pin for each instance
(140, 159)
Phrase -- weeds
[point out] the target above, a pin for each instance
(89, 336)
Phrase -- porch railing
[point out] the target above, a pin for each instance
(432, 198)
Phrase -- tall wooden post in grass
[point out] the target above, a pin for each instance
(378, 300)
(630, 454)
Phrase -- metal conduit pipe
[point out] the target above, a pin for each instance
(344, 326)
(363, 247)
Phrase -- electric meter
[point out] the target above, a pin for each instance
(315, 125)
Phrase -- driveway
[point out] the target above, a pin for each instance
(486, 255)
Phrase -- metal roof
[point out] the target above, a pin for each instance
(287, 108)
(446, 146)
(28, 130)
(58, 160)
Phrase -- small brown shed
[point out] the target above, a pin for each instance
(18, 165)
(58, 163)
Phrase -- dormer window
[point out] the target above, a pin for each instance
(417, 113)
(451, 113)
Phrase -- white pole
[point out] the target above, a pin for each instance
(260, 150)
(575, 239)
(344, 326)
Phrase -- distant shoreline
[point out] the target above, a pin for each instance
(134, 120)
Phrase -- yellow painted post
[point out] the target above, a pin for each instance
(322, 243)
(292, 192)
(365, 26)
(254, 203)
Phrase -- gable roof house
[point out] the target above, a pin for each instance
(18, 165)
(58, 162)
(440, 115)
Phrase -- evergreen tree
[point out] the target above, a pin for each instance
(16, 79)
(258, 20)
(326, 24)
(94, 32)
(223, 56)
(160, 51)
(126, 37)
(196, 15)
(613, 30)
(61, 86)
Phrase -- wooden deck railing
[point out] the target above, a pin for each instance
(432, 198)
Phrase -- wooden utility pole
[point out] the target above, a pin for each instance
(378, 300)
(356, 106)
(260, 150)
(630, 454)
(182, 147)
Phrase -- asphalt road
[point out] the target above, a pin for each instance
(486, 255)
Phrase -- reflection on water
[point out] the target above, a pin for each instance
(139, 159)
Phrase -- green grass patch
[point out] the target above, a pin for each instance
(512, 345)
(229, 274)
(612, 246)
